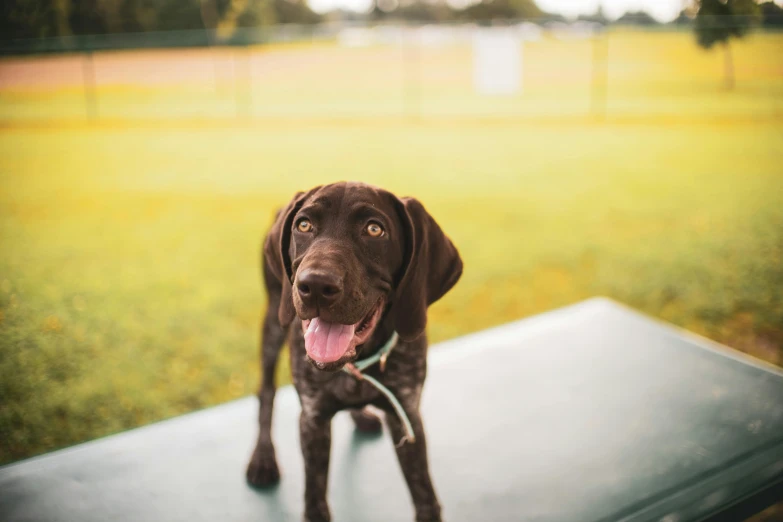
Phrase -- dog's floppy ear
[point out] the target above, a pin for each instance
(277, 255)
(432, 266)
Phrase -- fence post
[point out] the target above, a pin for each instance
(600, 73)
(243, 82)
(214, 55)
(411, 74)
(90, 95)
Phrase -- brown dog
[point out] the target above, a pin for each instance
(347, 265)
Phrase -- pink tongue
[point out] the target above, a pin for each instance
(327, 342)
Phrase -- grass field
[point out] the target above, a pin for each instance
(129, 285)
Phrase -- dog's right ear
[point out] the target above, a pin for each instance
(277, 254)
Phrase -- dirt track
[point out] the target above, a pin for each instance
(149, 67)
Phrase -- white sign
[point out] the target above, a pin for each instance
(497, 61)
(356, 37)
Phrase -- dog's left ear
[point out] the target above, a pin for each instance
(432, 267)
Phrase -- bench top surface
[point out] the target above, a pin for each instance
(592, 412)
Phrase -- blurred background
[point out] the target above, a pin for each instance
(570, 148)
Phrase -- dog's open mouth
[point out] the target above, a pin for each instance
(329, 342)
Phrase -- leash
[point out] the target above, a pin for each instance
(380, 356)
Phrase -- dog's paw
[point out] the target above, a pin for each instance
(262, 471)
(366, 421)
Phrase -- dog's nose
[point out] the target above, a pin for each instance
(315, 285)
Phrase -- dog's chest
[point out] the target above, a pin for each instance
(351, 391)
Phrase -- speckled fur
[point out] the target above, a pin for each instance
(429, 270)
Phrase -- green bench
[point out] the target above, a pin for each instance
(588, 413)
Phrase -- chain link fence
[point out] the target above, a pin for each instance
(563, 70)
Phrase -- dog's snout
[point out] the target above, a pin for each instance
(319, 286)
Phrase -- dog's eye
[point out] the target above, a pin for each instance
(374, 230)
(304, 226)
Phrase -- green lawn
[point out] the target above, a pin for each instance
(129, 250)
(129, 286)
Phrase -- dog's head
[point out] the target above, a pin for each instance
(349, 254)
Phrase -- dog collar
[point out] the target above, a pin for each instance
(356, 369)
(381, 355)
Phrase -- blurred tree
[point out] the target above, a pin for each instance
(771, 15)
(637, 18)
(258, 13)
(228, 12)
(111, 12)
(122, 16)
(684, 18)
(87, 17)
(489, 10)
(343, 15)
(228, 15)
(414, 11)
(688, 13)
(27, 19)
(718, 21)
(178, 15)
(526, 9)
(139, 16)
(62, 12)
(294, 12)
(598, 17)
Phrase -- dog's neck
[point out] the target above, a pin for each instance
(380, 336)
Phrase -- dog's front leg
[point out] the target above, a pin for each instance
(315, 432)
(414, 464)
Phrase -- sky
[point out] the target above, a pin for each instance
(662, 10)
